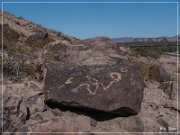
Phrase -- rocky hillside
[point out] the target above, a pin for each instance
(58, 83)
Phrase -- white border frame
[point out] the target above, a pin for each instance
(177, 3)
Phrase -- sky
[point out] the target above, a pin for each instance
(87, 20)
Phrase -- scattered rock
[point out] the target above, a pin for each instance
(166, 87)
(150, 125)
(65, 42)
(35, 103)
(165, 76)
(93, 122)
(16, 115)
(175, 91)
(170, 88)
(131, 124)
(163, 123)
(124, 50)
(57, 112)
(70, 39)
(174, 105)
(22, 23)
(23, 111)
(53, 127)
(83, 122)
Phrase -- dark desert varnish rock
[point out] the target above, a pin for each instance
(116, 89)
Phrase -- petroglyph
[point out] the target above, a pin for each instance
(87, 87)
(116, 78)
(124, 69)
(69, 81)
(92, 81)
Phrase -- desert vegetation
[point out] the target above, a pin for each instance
(153, 49)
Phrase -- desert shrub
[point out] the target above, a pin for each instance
(17, 69)
(10, 39)
(151, 72)
(21, 17)
(59, 48)
(153, 52)
(38, 40)
(144, 69)
(150, 49)
(58, 33)
(23, 50)
(154, 73)
(30, 70)
(10, 69)
(10, 36)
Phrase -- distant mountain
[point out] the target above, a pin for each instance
(133, 39)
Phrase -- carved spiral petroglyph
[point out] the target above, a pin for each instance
(114, 75)
(92, 81)
(124, 69)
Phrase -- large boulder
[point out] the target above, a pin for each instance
(116, 89)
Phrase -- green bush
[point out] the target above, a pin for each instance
(10, 36)
(151, 72)
(153, 52)
(150, 49)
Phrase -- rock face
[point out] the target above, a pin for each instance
(116, 88)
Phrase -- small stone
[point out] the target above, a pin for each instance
(57, 112)
(166, 87)
(93, 122)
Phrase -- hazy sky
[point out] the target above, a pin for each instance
(112, 20)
